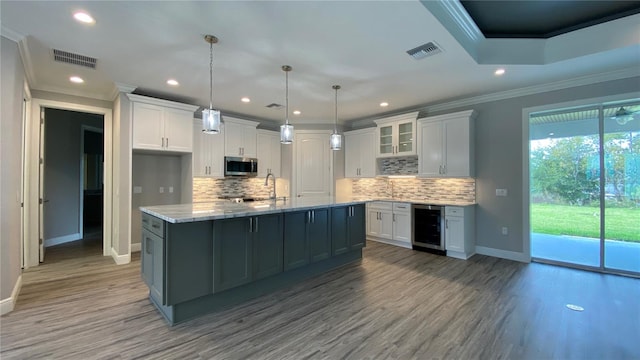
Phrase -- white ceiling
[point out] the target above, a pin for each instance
(360, 45)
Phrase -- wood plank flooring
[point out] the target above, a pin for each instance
(396, 304)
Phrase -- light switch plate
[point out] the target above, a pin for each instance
(161, 190)
(170, 189)
(501, 192)
(137, 189)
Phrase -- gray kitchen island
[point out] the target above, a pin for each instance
(202, 257)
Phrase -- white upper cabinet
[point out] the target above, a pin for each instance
(268, 153)
(208, 152)
(161, 125)
(240, 137)
(396, 135)
(446, 144)
(359, 152)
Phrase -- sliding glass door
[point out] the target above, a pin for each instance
(585, 186)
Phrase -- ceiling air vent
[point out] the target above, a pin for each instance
(74, 59)
(425, 50)
(275, 106)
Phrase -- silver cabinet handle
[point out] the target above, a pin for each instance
(446, 223)
(256, 228)
(313, 216)
(309, 216)
(147, 246)
(393, 217)
(250, 224)
(167, 142)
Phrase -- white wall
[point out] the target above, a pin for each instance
(499, 158)
(62, 173)
(11, 92)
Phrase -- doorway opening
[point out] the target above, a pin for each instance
(72, 183)
(584, 187)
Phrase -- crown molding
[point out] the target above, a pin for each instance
(161, 102)
(536, 89)
(11, 34)
(121, 88)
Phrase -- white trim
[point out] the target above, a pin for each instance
(11, 34)
(401, 117)
(62, 239)
(161, 102)
(32, 167)
(504, 254)
(136, 247)
(27, 63)
(536, 89)
(120, 259)
(459, 255)
(7, 305)
(391, 242)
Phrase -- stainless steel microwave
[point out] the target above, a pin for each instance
(240, 166)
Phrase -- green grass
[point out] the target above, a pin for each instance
(620, 223)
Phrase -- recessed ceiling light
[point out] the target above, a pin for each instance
(76, 79)
(499, 72)
(84, 17)
(296, 112)
(384, 104)
(245, 99)
(551, 134)
(173, 82)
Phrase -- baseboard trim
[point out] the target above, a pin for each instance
(504, 254)
(391, 242)
(62, 239)
(7, 305)
(120, 259)
(135, 247)
(459, 255)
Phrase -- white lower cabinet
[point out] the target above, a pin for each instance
(459, 231)
(389, 222)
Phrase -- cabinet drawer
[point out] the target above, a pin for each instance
(401, 207)
(380, 205)
(153, 224)
(453, 211)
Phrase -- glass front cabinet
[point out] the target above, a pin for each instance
(397, 135)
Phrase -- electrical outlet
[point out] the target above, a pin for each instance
(501, 192)
(137, 189)
(170, 189)
(161, 190)
(505, 230)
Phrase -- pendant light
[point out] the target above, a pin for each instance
(210, 117)
(286, 130)
(336, 139)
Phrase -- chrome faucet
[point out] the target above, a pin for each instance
(266, 183)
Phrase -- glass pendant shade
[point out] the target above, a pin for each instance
(210, 121)
(336, 141)
(286, 134)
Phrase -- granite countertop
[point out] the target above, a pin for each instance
(225, 209)
(217, 210)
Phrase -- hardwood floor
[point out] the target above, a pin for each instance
(396, 303)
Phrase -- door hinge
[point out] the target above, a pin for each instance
(41, 161)
(40, 201)
(41, 115)
(40, 241)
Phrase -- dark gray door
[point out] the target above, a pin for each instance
(357, 227)
(295, 241)
(267, 245)
(232, 255)
(319, 235)
(339, 232)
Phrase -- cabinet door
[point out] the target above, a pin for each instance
(367, 154)
(454, 233)
(156, 287)
(339, 230)
(148, 131)
(402, 226)
(233, 139)
(385, 140)
(357, 237)
(178, 130)
(318, 235)
(267, 245)
(374, 225)
(214, 147)
(457, 155)
(249, 142)
(268, 149)
(386, 224)
(199, 161)
(232, 255)
(295, 241)
(405, 144)
(146, 257)
(352, 148)
(430, 157)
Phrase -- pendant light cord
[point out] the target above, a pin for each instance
(286, 118)
(335, 124)
(211, 76)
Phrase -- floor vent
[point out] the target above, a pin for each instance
(275, 106)
(425, 50)
(74, 59)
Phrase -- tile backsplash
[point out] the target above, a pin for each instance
(209, 189)
(405, 165)
(427, 189)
